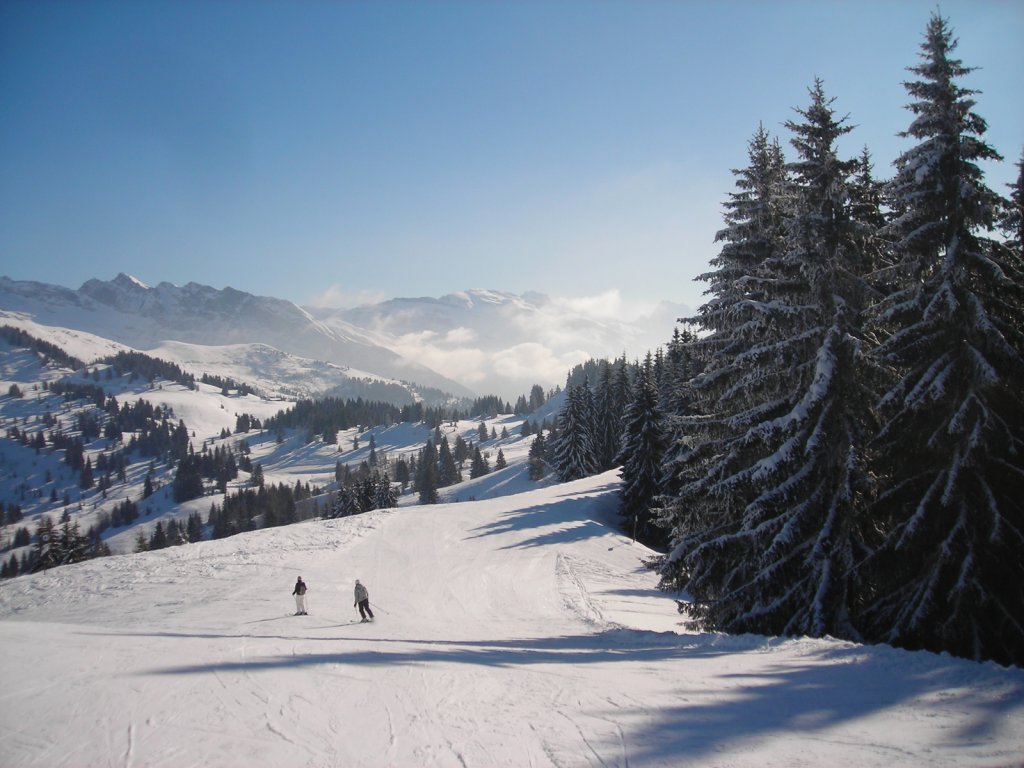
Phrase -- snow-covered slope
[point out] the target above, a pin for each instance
(518, 631)
(126, 311)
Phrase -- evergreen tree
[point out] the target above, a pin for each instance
(426, 477)
(447, 471)
(1012, 222)
(536, 464)
(402, 473)
(608, 419)
(479, 467)
(713, 442)
(85, 479)
(188, 479)
(643, 448)
(949, 575)
(793, 482)
(500, 462)
(384, 496)
(574, 452)
(158, 539)
(807, 523)
(194, 527)
(537, 398)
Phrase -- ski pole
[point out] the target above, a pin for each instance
(377, 607)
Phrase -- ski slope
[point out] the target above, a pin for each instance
(513, 631)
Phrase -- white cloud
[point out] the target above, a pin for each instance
(460, 336)
(604, 305)
(415, 340)
(466, 365)
(336, 297)
(535, 362)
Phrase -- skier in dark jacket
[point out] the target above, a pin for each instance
(300, 597)
(363, 601)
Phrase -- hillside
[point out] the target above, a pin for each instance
(126, 311)
(515, 631)
(515, 624)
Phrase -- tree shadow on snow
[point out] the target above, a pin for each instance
(820, 689)
(570, 520)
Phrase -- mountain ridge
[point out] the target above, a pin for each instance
(127, 311)
(466, 343)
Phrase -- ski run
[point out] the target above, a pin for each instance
(522, 630)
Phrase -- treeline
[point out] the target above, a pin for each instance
(218, 466)
(227, 384)
(841, 451)
(54, 546)
(174, 534)
(329, 415)
(137, 364)
(48, 352)
(251, 509)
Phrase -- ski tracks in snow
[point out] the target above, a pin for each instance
(574, 591)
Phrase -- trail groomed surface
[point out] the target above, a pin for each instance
(518, 631)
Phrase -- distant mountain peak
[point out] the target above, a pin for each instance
(129, 312)
(124, 277)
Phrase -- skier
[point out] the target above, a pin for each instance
(363, 601)
(300, 597)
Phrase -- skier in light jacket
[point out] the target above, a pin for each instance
(300, 597)
(363, 601)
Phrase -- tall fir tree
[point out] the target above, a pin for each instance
(949, 574)
(574, 453)
(772, 547)
(708, 442)
(479, 466)
(447, 471)
(607, 419)
(536, 464)
(643, 449)
(807, 523)
(426, 476)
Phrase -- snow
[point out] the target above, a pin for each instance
(516, 627)
(521, 630)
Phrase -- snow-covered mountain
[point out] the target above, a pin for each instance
(466, 343)
(516, 624)
(503, 343)
(126, 311)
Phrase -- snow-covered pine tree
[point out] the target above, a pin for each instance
(574, 454)
(867, 201)
(348, 502)
(643, 449)
(949, 575)
(536, 465)
(384, 495)
(706, 447)
(607, 419)
(807, 523)
(773, 543)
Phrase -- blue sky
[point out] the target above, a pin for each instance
(332, 152)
